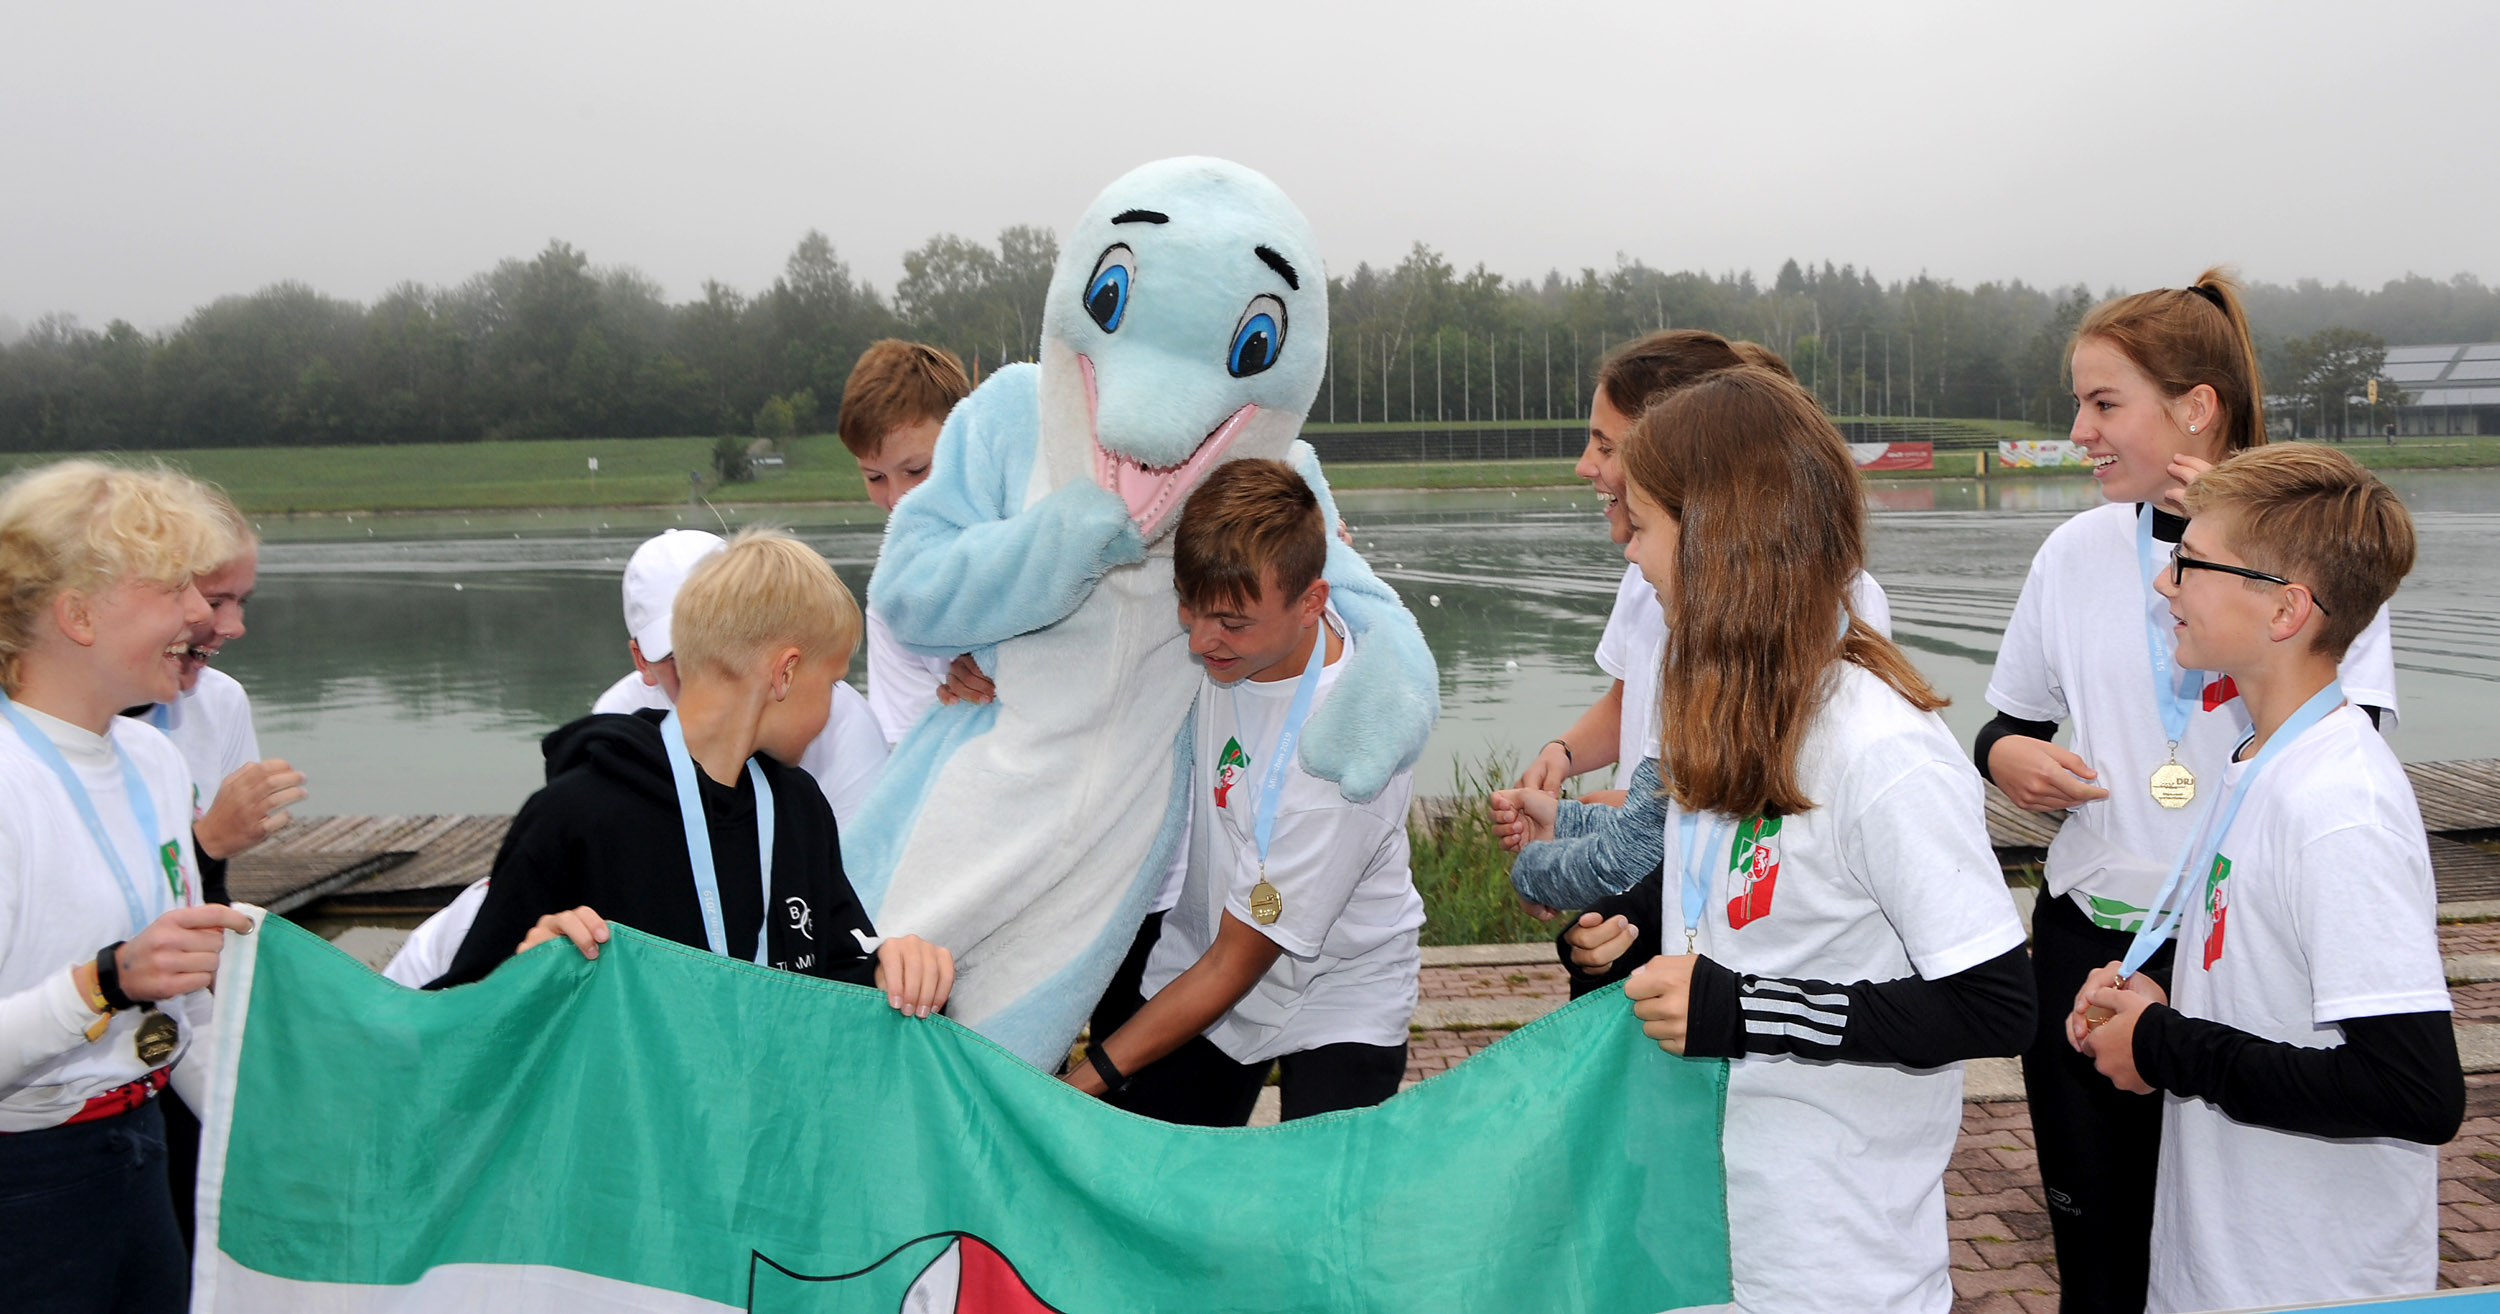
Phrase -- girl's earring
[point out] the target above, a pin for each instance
(2191, 428)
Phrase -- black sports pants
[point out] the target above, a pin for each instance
(2098, 1145)
(1202, 1086)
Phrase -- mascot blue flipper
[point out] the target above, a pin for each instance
(1186, 325)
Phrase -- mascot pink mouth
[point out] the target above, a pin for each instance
(1152, 493)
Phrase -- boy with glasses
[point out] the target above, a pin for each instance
(2305, 1045)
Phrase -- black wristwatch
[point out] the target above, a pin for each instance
(108, 978)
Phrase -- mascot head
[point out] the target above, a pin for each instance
(1186, 324)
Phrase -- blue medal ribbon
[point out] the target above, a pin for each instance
(2198, 851)
(699, 842)
(2176, 705)
(1271, 783)
(142, 808)
(1695, 877)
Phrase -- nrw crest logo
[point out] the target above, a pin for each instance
(943, 1273)
(1753, 864)
(1230, 766)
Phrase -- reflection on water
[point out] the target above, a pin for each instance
(410, 664)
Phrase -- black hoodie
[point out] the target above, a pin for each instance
(606, 832)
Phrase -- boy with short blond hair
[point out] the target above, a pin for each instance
(893, 407)
(667, 820)
(1292, 936)
(2306, 1048)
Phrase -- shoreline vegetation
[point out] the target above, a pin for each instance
(548, 474)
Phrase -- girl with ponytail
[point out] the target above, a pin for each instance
(2166, 387)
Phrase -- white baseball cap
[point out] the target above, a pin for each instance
(652, 577)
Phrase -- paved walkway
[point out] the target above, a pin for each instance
(2003, 1262)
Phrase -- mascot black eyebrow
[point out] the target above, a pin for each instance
(1186, 325)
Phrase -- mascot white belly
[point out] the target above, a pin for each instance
(1186, 325)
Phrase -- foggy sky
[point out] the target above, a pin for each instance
(157, 155)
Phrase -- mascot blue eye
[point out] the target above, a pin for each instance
(1259, 339)
(1106, 295)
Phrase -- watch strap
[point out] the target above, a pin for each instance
(108, 977)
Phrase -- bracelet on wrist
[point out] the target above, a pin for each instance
(87, 990)
(108, 978)
(1112, 1078)
(1568, 759)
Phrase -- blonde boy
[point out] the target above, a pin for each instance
(642, 813)
(2306, 1051)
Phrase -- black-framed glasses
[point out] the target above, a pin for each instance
(2181, 563)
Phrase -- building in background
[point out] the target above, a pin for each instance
(2451, 388)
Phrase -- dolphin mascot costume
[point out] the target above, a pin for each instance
(1186, 325)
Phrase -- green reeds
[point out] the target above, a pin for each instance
(1460, 868)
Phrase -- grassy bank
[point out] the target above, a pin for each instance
(652, 472)
(465, 476)
(1462, 872)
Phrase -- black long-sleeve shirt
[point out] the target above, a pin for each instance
(1987, 1010)
(2395, 1075)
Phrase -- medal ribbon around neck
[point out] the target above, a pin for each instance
(1695, 878)
(2175, 706)
(2164, 918)
(142, 808)
(699, 843)
(1272, 781)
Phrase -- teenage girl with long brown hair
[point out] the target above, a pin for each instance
(1836, 922)
(2166, 385)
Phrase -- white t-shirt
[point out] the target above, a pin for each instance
(429, 949)
(844, 758)
(2320, 908)
(1351, 916)
(59, 904)
(1835, 1171)
(902, 684)
(2075, 652)
(1635, 643)
(211, 724)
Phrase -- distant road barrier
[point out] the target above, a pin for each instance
(2058, 454)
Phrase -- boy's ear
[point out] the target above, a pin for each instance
(785, 671)
(1314, 600)
(2294, 605)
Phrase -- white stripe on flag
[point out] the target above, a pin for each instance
(470, 1288)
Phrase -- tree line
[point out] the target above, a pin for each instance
(555, 346)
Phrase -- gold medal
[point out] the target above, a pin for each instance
(1266, 905)
(2173, 785)
(156, 1038)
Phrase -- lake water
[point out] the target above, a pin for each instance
(409, 664)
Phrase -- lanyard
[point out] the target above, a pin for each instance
(2175, 706)
(699, 842)
(1695, 878)
(1271, 784)
(142, 808)
(2163, 919)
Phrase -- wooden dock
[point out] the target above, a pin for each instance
(412, 865)
(368, 866)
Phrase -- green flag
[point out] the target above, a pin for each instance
(665, 1129)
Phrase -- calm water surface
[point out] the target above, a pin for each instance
(411, 663)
